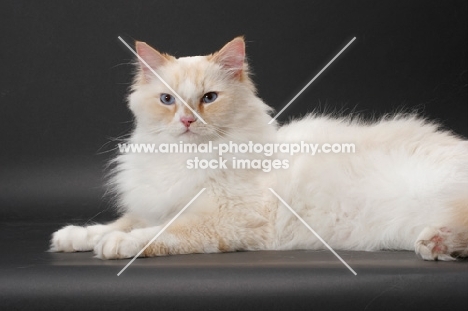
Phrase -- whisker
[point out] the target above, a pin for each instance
(120, 138)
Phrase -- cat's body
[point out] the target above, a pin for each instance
(403, 188)
(404, 177)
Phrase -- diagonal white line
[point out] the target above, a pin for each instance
(161, 79)
(313, 231)
(313, 79)
(160, 232)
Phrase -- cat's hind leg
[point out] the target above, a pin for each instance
(81, 239)
(444, 243)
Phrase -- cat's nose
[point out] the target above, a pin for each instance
(187, 120)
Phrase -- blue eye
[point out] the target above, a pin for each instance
(209, 97)
(167, 99)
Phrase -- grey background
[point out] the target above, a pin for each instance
(64, 76)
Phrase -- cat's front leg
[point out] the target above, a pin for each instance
(81, 239)
(197, 235)
(174, 240)
(119, 245)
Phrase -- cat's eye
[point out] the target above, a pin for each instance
(167, 99)
(209, 97)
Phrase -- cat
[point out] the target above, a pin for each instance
(404, 187)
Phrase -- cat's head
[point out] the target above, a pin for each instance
(195, 98)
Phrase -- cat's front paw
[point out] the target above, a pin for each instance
(71, 239)
(118, 245)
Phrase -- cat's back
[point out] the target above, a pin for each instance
(389, 131)
(351, 151)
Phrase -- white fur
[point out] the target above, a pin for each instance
(402, 179)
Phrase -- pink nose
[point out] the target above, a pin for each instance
(187, 120)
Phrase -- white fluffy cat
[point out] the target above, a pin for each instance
(405, 187)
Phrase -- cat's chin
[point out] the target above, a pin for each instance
(188, 133)
(190, 136)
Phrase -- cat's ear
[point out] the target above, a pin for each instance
(151, 57)
(232, 56)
